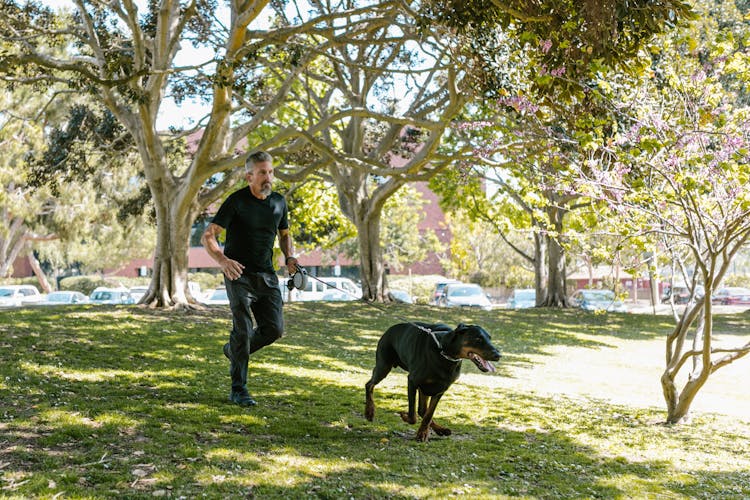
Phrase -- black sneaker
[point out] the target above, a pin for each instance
(242, 398)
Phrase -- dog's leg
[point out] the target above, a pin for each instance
(411, 416)
(369, 403)
(439, 429)
(378, 374)
(422, 403)
(424, 428)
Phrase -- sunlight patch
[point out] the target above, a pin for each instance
(283, 469)
(232, 455)
(93, 375)
(242, 419)
(60, 417)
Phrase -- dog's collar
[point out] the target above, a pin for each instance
(439, 345)
(455, 360)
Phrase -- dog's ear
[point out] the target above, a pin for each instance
(461, 328)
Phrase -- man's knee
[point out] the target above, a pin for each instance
(264, 336)
(273, 332)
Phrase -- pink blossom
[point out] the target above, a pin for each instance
(558, 71)
(546, 45)
(475, 125)
(519, 103)
(698, 77)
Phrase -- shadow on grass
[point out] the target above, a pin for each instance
(126, 402)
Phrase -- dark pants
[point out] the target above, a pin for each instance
(259, 293)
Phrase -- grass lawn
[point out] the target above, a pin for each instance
(126, 403)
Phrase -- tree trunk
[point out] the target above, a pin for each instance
(556, 293)
(653, 288)
(174, 219)
(362, 204)
(679, 401)
(540, 269)
(37, 268)
(371, 258)
(12, 241)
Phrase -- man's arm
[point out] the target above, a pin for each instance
(231, 268)
(285, 242)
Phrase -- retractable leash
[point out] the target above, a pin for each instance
(299, 281)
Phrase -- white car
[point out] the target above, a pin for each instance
(64, 297)
(137, 292)
(329, 288)
(217, 297)
(19, 295)
(109, 296)
(464, 295)
(597, 300)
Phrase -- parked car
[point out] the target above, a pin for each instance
(332, 295)
(439, 288)
(317, 288)
(64, 297)
(681, 293)
(217, 297)
(105, 295)
(731, 295)
(137, 292)
(19, 295)
(522, 298)
(464, 295)
(400, 296)
(597, 300)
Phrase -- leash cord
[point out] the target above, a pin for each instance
(424, 329)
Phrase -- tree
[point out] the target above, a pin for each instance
(481, 255)
(564, 37)
(538, 66)
(679, 174)
(125, 60)
(315, 217)
(19, 205)
(402, 241)
(377, 107)
(51, 222)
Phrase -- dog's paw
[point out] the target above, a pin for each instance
(442, 431)
(409, 419)
(423, 436)
(439, 429)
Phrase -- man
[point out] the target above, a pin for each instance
(251, 216)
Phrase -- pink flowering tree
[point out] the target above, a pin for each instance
(678, 174)
(539, 66)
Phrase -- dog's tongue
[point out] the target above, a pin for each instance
(479, 360)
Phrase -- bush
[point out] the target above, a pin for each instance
(87, 284)
(22, 281)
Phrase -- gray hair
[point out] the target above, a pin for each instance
(255, 158)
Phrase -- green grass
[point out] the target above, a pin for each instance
(127, 403)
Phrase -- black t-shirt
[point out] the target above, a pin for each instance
(251, 226)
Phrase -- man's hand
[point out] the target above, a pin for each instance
(291, 264)
(231, 268)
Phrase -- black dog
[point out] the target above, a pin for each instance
(433, 363)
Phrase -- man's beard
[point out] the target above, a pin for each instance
(265, 189)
